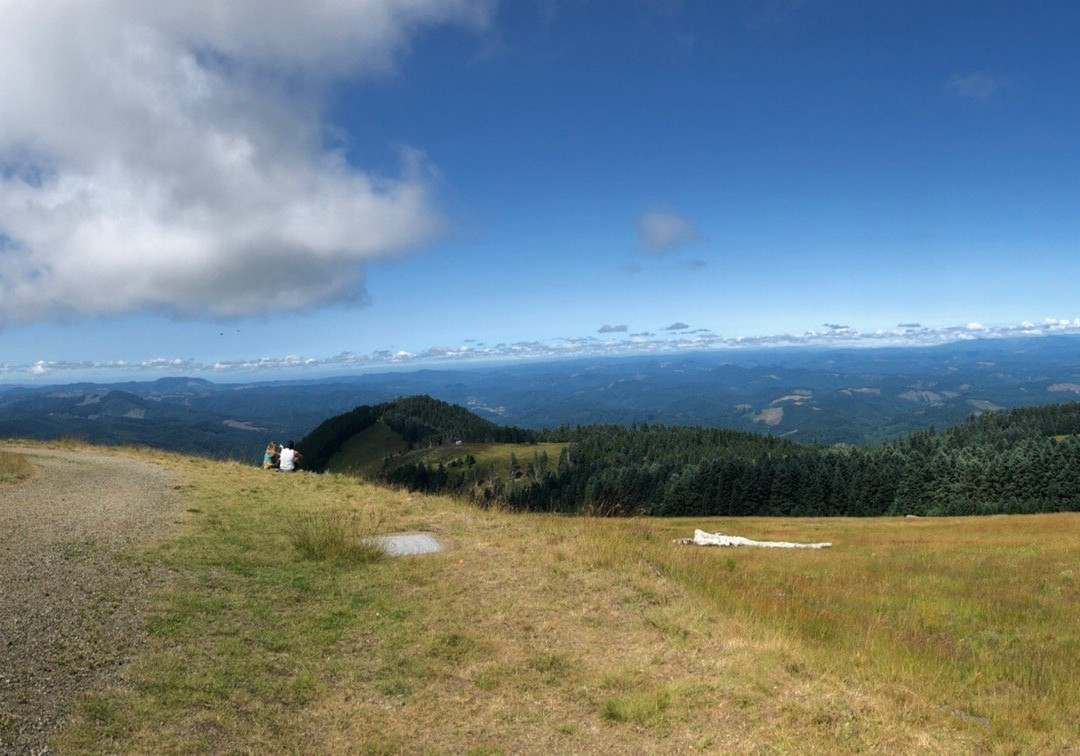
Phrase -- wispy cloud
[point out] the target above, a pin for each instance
(613, 329)
(664, 231)
(154, 156)
(644, 342)
(676, 327)
(973, 86)
(775, 12)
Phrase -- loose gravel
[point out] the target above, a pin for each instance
(72, 596)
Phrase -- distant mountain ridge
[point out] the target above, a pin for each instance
(853, 396)
(190, 415)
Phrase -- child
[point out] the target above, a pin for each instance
(270, 457)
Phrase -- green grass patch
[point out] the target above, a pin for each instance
(8, 730)
(646, 708)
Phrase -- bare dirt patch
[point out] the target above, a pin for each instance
(72, 587)
(771, 416)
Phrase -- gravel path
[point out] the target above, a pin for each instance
(71, 597)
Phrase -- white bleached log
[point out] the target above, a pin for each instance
(701, 538)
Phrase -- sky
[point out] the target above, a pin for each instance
(263, 188)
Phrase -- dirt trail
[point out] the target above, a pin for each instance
(71, 596)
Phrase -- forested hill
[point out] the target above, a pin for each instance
(997, 429)
(1024, 460)
(415, 419)
(1019, 461)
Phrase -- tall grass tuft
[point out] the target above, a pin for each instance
(646, 708)
(14, 467)
(338, 537)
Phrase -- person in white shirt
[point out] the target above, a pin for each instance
(289, 458)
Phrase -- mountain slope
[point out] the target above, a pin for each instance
(407, 421)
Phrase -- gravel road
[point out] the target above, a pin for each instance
(71, 596)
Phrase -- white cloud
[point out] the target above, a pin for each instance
(172, 155)
(663, 231)
(973, 86)
(672, 342)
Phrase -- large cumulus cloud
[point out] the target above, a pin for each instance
(172, 155)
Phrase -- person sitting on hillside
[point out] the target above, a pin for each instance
(270, 456)
(289, 458)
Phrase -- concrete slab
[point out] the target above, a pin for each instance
(408, 544)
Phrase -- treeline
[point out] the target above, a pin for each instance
(417, 419)
(1010, 462)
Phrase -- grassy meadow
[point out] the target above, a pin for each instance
(541, 634)
(496, 458)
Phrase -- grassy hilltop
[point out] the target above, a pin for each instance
(538, 633)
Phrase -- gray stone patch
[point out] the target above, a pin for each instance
(408, 544)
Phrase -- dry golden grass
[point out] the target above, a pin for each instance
(972, 618)
(534, 634)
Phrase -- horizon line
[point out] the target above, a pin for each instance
(471, 352)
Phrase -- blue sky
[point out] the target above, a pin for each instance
(248, 188)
